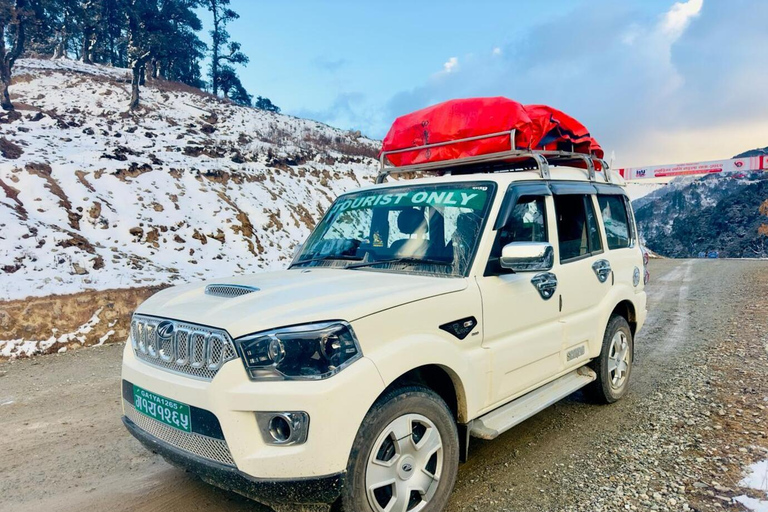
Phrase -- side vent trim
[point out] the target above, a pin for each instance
(460, 328)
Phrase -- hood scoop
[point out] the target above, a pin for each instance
(229, 290)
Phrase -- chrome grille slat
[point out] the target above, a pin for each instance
(209, 448)
(190, 349)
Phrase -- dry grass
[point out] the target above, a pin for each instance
(39, 318)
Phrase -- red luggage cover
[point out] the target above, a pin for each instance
(536, 127)
(551, 128)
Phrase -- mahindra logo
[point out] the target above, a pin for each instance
(407, 467)
(165, 329)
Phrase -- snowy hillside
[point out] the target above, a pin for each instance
(190, 187)
(715, 212)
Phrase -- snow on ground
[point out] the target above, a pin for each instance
(757, 479)
(191, 187)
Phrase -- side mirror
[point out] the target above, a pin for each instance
(527, 256)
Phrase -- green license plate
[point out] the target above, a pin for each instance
(170, 412)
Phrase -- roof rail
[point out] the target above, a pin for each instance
(502, 161)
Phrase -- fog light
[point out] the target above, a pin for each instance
(283, 428)
(279, 429)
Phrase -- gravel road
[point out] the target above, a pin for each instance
(695, 415)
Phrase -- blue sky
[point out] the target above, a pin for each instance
(655, 81)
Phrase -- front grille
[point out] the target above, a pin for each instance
(181, 347)
(229, 290)
(202, 446)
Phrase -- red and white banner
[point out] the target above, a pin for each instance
(755, 163)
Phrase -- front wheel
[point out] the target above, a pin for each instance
(405, 457)
(614, 365)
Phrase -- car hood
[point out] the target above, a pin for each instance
(296, 296)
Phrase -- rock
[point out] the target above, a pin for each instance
(78, 269)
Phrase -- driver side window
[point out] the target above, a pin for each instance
(527, 223)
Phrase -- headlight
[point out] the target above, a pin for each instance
(310, 351)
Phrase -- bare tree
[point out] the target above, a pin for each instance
(12, 21)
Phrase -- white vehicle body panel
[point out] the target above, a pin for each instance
(520, 342)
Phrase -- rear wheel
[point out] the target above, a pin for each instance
(614, 365)
(405, 457)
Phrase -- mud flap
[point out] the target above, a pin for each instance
(464, 429)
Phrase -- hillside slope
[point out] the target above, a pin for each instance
(190, 187)
(711, 213)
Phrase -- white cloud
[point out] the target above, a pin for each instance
(679, 16)
(451, 65)
(685, 84)
(496, 51)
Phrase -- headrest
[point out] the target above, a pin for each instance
(410, 221)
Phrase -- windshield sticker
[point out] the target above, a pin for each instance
(473, 199)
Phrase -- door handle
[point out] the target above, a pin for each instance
(546, 283)
(602, 270)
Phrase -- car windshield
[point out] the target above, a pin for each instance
(432, 229)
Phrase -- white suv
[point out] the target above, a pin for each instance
(417, 314)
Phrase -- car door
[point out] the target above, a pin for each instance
(521, 328)
(584, 274)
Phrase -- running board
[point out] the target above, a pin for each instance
(498, 421)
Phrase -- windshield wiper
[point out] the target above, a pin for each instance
(328, 257)
(405, 259)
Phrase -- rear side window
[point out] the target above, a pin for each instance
(616, 221)
(577, 230)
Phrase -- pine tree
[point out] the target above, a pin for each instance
(224, 53)
(177, 49)
(113, 42)
(266, 104)
(232, 88)
(64, 16)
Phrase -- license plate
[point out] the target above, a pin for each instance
(165, 410)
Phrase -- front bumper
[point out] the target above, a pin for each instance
(336, 407)
(305, 490)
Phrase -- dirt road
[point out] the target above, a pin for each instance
(63, 447)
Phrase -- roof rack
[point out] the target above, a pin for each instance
(503, 161)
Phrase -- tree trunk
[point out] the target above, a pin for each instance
(63, 37)
(61, 47)
(149, 70)
(137, 71)
(135, 82)
(58, 52)
(8, 57)
(215, 49)
(88, 45)
(5, 98)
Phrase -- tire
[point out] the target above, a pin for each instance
(376, 457)
(617, 351)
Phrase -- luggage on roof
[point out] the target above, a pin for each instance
(488, 124)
